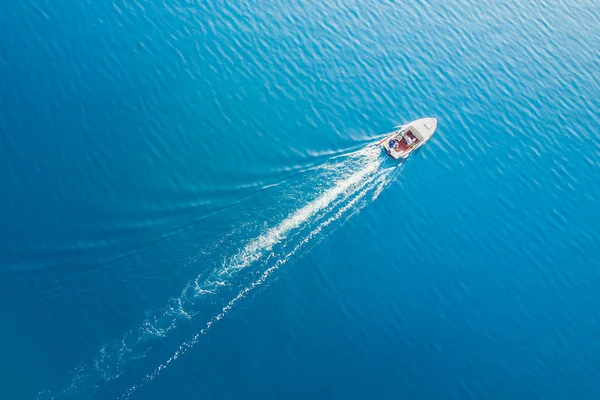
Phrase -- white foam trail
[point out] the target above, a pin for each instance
(286, 225)
(356, 175)
(253, 250)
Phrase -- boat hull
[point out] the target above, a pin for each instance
(408, 138)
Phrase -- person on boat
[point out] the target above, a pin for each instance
(393, 143)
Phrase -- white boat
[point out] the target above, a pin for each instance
(407, 138)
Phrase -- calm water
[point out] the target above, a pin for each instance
(192, 208)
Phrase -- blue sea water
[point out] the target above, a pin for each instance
(192, 206)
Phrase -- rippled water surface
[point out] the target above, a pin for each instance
(193, 208)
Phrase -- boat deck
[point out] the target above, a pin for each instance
(403, 142)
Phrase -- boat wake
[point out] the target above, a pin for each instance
(345, 185)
